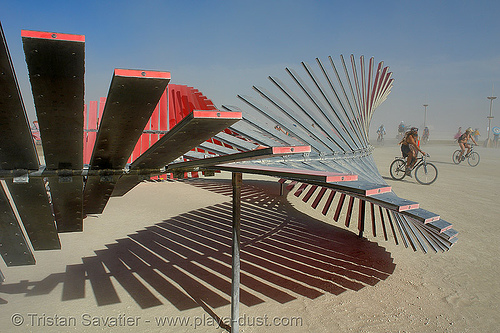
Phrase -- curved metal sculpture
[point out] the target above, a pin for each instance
(332, 113)
(313, 130)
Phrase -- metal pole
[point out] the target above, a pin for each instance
(235, 285)
(425, 115)
(487, 143)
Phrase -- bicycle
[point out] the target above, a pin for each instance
(425, 172)
(472, 157)
(380, 139)
(425, 139)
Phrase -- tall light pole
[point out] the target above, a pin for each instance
(487, 143)
(425, 114)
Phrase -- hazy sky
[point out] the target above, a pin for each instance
(443, 53)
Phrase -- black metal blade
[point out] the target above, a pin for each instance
(132, 98)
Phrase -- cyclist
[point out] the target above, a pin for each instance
(401, 129)
(457, 135)
(410, 149)
(425, 136)
(463, 143)
(381, 133)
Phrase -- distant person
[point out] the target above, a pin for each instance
(463, 142)
(381, 133)
(410, 149)
(495, 139)
(425, 135)
(458, 134)
(476, 134)
(401, 129)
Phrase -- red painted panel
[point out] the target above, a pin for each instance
(85, 117)
(92, 121)
(102, 103)
(163, 111)
(176, 110)
(85, 133)
(186, 105)
(378, 190)
(294, 149)
(155, 122)
(408, 207)
(137, 150)
(52, 35)
(141, 73)
(182, 103)
(155, 117)
(91, 136)
(193, 98)
(216, 114)
(145, 144)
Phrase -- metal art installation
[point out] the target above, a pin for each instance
(330, 109)
(311, 133)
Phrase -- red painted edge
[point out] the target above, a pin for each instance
(52, 35)
(340, 177)
(378, 191)
(216, 114)
(329, 176)
(142, 73)
(408, 207)
(432, 219)
(291, 150)
(446, 228)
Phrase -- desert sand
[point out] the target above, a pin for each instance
(158, 259)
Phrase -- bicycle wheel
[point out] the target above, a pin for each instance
(455, 156)
(473, 159)
(426, 173)
(397, 169)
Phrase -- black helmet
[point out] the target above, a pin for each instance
(414, 129)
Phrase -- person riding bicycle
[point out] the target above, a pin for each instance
(463, 143)
(381, 133)
(425, 136)
(410, 149)
(401, 129)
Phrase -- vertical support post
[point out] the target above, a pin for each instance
(425, 114)
(487, 143)
(235, 285)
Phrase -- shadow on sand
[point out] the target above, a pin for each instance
(187, 259)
